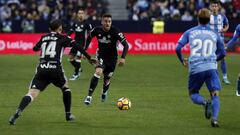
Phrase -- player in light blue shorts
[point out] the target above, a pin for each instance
(219, 23)
(206, 48)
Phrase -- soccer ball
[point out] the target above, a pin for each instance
(124, 103)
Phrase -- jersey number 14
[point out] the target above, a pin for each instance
(49, 49)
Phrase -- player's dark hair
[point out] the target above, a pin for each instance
(106, 15)
(55, 24)
(80, 9)
(204, 16)
(214, 1)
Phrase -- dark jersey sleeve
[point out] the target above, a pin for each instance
(92, 34)
(70, 32)
(68, 42)
(121, 38)
(37, 47)
(89, 27)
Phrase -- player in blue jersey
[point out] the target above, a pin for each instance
(219, 23)
(206, 48)
(230, 44)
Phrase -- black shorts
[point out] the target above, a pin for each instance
(108, 66)
(44, 76)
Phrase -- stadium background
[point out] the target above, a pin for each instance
(130, 16)
(160, 99)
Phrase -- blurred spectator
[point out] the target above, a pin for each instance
(177, 9)
(11, 10)
(5, 12)
(187, 16)
(7, 25)
(28, 24)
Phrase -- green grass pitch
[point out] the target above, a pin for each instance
(156, 85)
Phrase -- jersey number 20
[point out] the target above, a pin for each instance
(48, 49)
(202, 47)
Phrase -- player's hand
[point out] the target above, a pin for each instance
(121, 62)
(185, 62)
(221, 30)
(93, 61)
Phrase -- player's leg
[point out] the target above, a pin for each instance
(59, 80)
(215, 108)
(67, 100)
(108, 73)
(39, 83)
(106, 84)
(93, 85)
(214, 86)
(29, 97)
(238, 86)
(195, 82)
(76, 64)
(224, 71)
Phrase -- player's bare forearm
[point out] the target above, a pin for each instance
(225, 28)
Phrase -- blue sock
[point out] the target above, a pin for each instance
(198, 99)
(224, 67)
(215, 107)
(238, 85)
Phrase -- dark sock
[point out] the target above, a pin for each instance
(105, 88)
(24, 103)
(67, 97)
(76, 66)
(93, 84)
(238, 85)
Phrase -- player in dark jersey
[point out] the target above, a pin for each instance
(107, 55)
(80, 27)
(49, 69)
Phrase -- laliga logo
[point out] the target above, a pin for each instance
(120, 47)
(2, 45)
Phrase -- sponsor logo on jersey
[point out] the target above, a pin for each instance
(47, 65)
(79, 29)
(104, 40)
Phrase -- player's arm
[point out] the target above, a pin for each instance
(70, 32)
(37, 47)
(123, 41)
(181, 43)
(68, 42)
(220, 52)
(92, 33)
(235, 37)
(225, 24)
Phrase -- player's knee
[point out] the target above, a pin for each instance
(70, 59)
(214, 93)
(65, 88)
(33, 93)
(98, 71)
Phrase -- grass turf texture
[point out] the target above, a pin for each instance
(156, 85)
